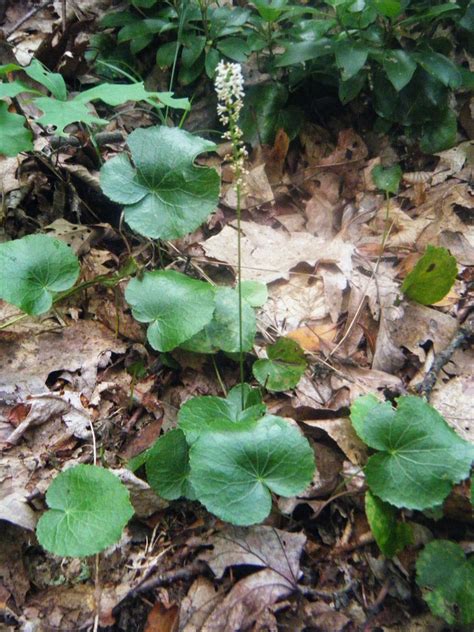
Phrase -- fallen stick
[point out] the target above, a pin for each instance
(443, 357)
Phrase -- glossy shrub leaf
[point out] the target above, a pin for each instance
(351, 88)
(235, 467)
(299, 52)
(14, 136)
(172, 196)
(391, 535)
(399, 67)
(439, 134)
(284, 367)
(175, 305)
(167, 466)
(88, 510)
(440, 67)
(33, 269)
(446, 578)
(432, 277)
(265, 112)
(387, 178)
(53, 81)
(222, 333)
(388, 8)
(419, 457)
(350, 57)
(199, 414)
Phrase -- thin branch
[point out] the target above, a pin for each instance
(27, 17)
(443, 357)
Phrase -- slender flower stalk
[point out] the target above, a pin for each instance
(229, 86)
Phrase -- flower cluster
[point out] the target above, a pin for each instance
(229, 86)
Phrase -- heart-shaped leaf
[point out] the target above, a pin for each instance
(14, 137)
(199, 414)
(235, 467)
(432, 277)
(447, 580)
(176, 306)
(88, 510)
(167, 466)
(387, 178)
(33, 269)
(284, 368)
(254, 292)
(222, 333)
(171, 196)
(419, 456)
(391, 535)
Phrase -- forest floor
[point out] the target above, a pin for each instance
(313, 225)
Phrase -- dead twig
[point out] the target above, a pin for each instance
(32, 12)
(169, 577)
(463, 333)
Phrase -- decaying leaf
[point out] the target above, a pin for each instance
(256, 546)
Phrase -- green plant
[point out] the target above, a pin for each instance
(230, 457)
(389, 49)
(416, 461)
(57, 110)
(446, 578)
(88, 510)
(418, 457)
(164, 194)
(432, 277)
(227, 453)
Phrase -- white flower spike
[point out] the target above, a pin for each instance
(229, 86)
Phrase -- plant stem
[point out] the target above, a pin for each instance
(239, 286)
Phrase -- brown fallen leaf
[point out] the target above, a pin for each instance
(161, 619)
(199, 603)
(247, 601)
(256, 546)
(26, 361)
(311, 337)
(343, 434)
(453, 400)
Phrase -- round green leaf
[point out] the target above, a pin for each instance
(222, 333)
(88, 510)
(14, 137)
(199, 414)
(176, 306)
(171, 195)
(167, 465)
(432, 277)
(419, 456)
(235, 467)
(447, 580)
(387, 178)
(391, 535)
(254, 292)
(284, 368)
(33, 268)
